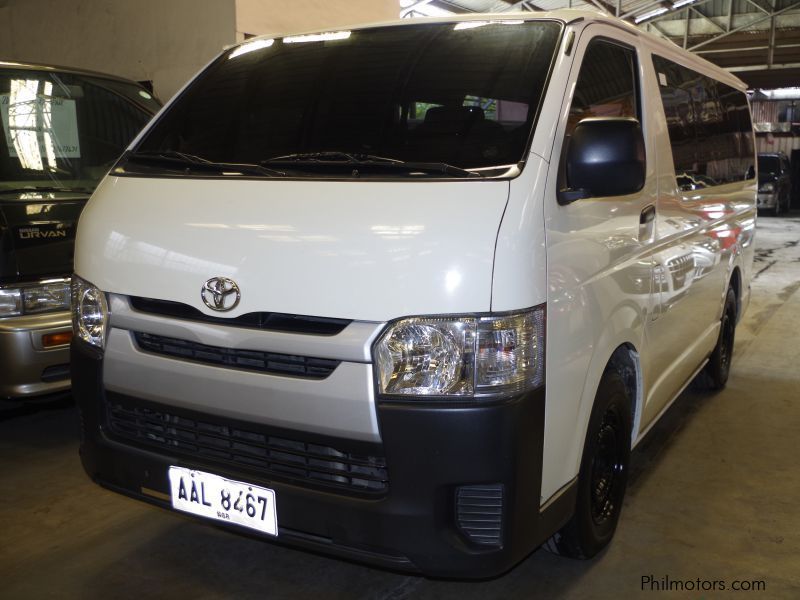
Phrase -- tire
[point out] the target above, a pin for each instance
(603, 474)
(714, 375)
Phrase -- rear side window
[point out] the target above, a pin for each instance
(709, 127)
(606, 84)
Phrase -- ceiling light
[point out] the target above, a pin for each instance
(651, 14)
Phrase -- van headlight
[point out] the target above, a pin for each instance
(767, 188)
(89, 313)
(49, 295)
(461, 356)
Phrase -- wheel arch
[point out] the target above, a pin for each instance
(735, 282)
(623, 356)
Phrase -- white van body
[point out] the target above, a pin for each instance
(636, 284)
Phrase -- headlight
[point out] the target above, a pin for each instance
(461, 356)
(767, 188)
(89, 313)
(30, 299)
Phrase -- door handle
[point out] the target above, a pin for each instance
(648, 215)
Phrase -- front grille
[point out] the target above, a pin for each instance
(479, 513)
(250, 360)
(257, 320)
(251, 447)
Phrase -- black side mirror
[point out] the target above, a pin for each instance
(604, 157)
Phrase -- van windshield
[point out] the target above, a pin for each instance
(412, 100)
(768, 165)
(61, 131)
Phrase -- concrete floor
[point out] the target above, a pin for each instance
(714, 495)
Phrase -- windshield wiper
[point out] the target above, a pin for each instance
(46, 189)
(352, 159)
(197, 163)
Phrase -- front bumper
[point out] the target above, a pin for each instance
(431, 452)
(27, 368)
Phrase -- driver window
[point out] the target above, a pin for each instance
(606, 85)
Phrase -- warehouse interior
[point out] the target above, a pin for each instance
(710, 508)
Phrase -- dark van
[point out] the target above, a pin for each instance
(62, 129)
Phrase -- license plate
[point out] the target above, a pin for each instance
(221, 499)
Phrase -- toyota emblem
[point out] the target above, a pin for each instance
(220, 294)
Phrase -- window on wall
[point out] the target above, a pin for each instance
(606, 85)
(709, 127)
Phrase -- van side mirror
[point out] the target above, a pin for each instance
(604, 157)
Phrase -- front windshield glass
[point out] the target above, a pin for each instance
(62, 131)
(462, 94)
(767, 165)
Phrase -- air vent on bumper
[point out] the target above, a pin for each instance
(479, 514)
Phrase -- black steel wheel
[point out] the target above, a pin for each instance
(603, 475)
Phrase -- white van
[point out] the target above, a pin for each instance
(410, 293)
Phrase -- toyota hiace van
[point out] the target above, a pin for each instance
(410, 293)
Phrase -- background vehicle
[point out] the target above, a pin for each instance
(344, 344)
(62, 129)
(774, 182)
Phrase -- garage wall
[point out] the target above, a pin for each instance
(293, 16)
(166, 41)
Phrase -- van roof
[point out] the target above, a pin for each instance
(568, 16)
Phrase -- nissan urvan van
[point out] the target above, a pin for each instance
(410, 293)
(61, 130)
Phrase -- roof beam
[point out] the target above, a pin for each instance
(765, 67)
(730, 15)
(762, 5)
(524, 5)
(771, 51)
(794, 6)
(707, 18)
(686, 25)
(659, 31)
(653, 28)
(745, 49)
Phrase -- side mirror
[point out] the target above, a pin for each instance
(604, 157)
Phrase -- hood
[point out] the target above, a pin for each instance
(367, 250)
(37, 235)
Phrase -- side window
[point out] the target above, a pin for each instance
(709, 127)
(606, 85)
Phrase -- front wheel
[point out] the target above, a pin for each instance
(603, 474)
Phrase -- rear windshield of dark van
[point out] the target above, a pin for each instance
(464, 94)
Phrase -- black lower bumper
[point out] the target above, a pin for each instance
(432, 451)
